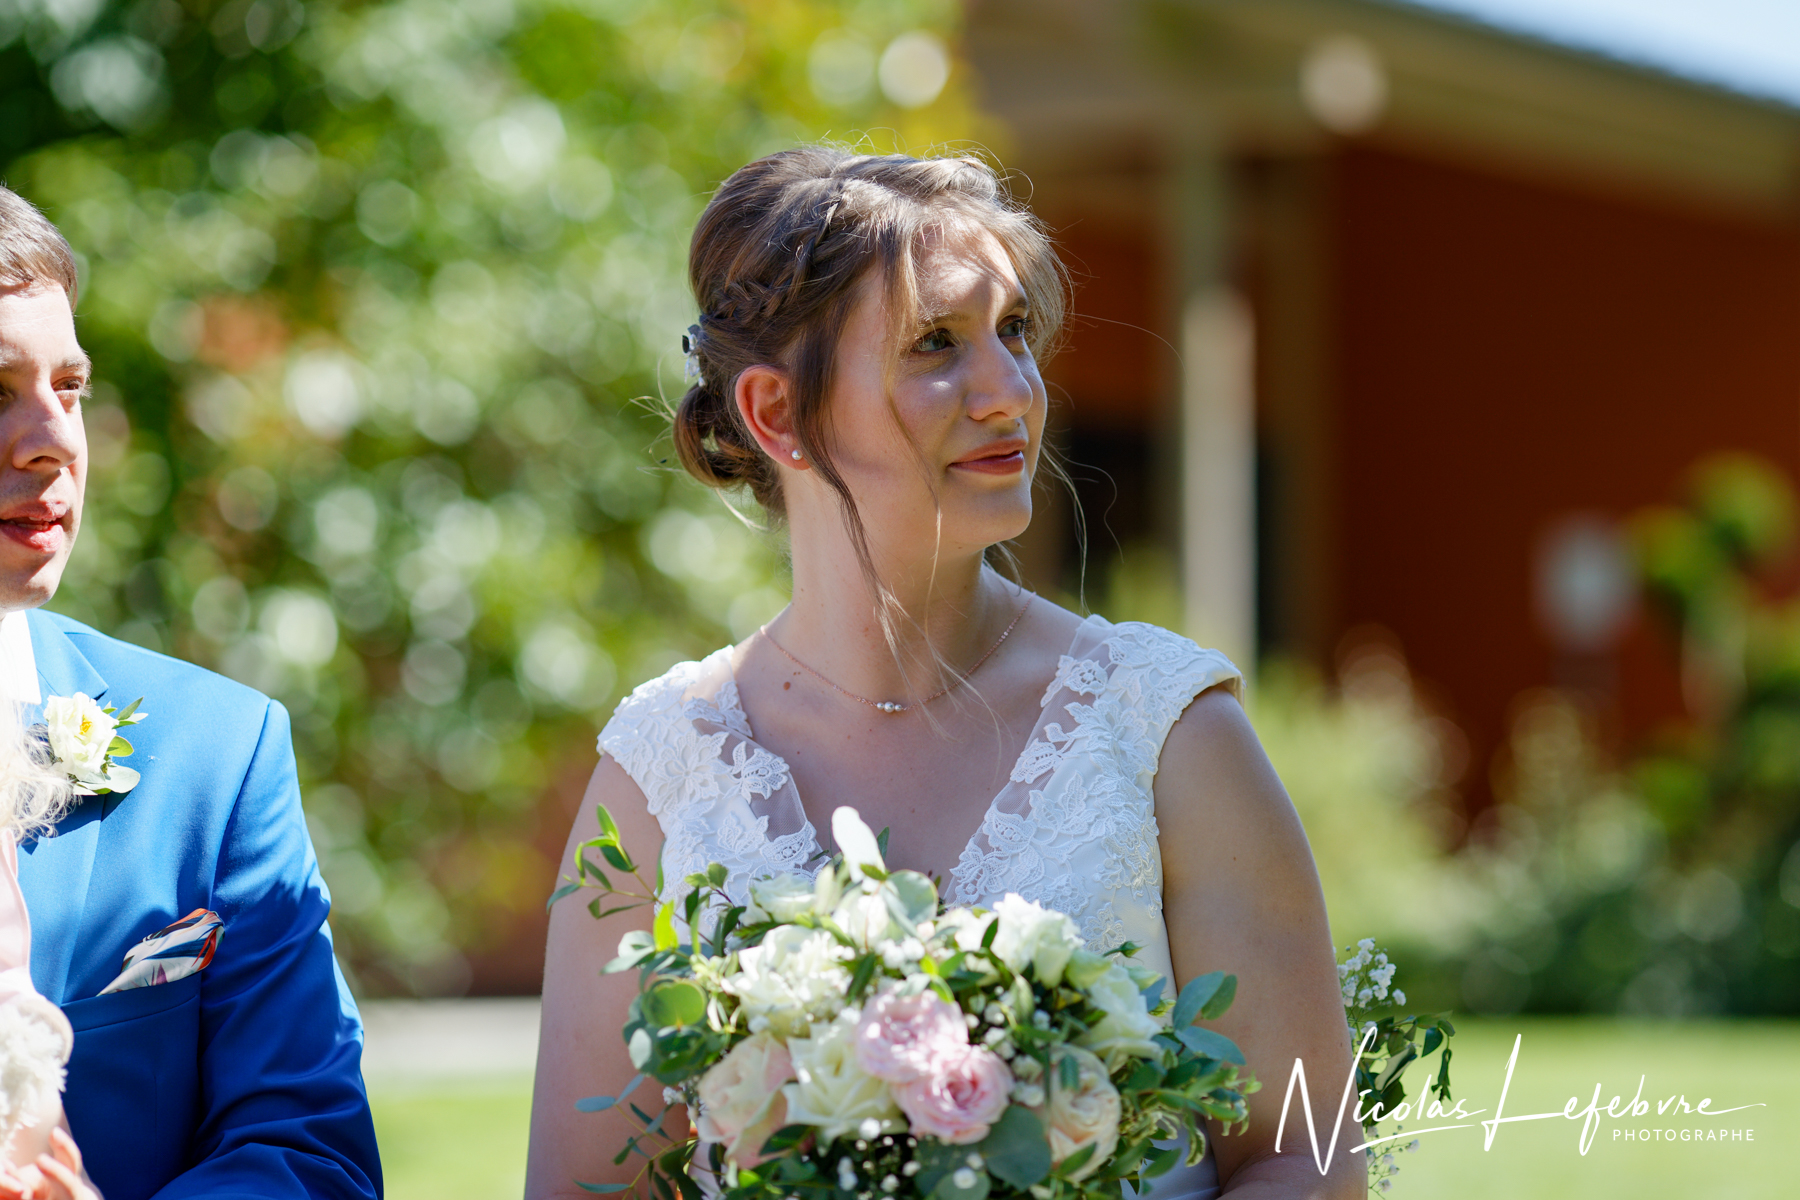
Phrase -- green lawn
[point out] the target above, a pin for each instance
(462, 1140)
(467, 1139)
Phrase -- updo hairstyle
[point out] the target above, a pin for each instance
(775, 264)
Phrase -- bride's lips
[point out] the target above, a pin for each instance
(1004, 457)
(38, 527)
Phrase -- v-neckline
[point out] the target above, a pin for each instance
(735, 707)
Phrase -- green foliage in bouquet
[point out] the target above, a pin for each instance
(1387, 1043)
(784, 1024)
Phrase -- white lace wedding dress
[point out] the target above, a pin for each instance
(1073, 829)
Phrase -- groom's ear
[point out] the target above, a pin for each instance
(764, 400)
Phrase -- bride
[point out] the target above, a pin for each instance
(866, 368)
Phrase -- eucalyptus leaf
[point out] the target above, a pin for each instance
(588, 867)
(675, 1002)
(1211, 1043)
(1215, 1006)
(664, 927)
(559, 893)
(1161, 1163)
(642, 1048)
(911, 897)
(1193, 997)
(947, 1188)
(1016, 1148)
(608, 826)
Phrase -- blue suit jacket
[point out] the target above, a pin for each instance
(243, 1080)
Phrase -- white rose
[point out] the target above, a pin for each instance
(832, 1093)
(1127, 1027)
(865, 918)
(1031, 935)
(784, 897)
(79, 736)
(794, 977)
(964, 927)
(1085, 1115)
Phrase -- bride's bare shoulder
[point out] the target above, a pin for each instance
(1048, 628)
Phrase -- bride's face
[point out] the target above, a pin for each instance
(946, 416)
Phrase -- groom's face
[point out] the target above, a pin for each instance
(43, 448)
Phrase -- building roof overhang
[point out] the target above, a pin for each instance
(1117, 82)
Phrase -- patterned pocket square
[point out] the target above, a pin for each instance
(173, 952)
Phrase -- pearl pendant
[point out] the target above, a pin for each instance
(890, 706)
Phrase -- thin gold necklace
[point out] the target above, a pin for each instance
(892, 707)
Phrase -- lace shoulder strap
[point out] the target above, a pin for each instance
(719, 797)
(652, 736)
(1155, 674)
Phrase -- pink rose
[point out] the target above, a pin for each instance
(741, 1103)
(959, 1100)
(900, 1038)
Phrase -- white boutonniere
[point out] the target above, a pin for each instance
(84, 742)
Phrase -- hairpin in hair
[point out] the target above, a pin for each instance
(690, 349)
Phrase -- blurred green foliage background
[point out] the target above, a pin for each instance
(1655, 878)
(383, 298)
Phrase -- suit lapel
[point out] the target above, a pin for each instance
(55, 871)
(61, 668)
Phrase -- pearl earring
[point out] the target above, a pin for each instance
(797, 456)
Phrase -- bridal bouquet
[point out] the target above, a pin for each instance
(848, 1037)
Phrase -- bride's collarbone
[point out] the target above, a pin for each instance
(930, 786)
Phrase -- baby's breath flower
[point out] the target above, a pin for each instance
(963, 1178)
(890, 1183)
(1031, 1095)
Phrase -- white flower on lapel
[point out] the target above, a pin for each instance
(84, 741)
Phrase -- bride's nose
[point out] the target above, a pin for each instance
(1001, 382)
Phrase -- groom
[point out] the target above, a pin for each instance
(243, 1078)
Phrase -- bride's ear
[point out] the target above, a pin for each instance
(765, 402)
